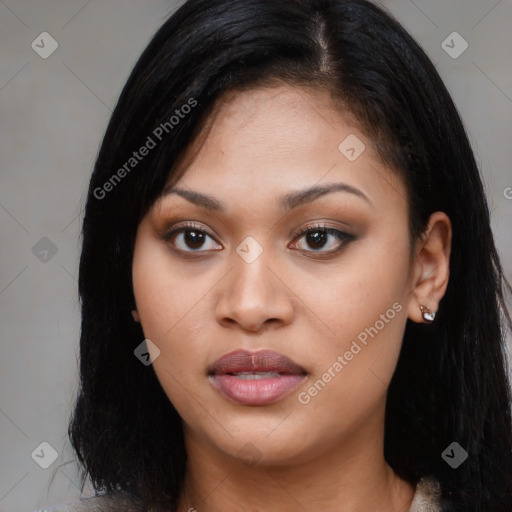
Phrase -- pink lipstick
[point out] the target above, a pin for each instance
(255, 378)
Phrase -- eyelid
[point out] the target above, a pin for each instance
(191, 225)
(343, 237)
(180, 228)
(318, 225)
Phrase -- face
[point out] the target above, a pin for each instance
(277, 314)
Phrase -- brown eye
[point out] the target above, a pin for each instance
(323, 239)
(190, 238)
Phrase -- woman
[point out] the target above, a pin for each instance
(290, 290)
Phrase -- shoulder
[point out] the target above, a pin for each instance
(116, 502)
(427, 497)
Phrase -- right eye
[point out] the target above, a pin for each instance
(189, 237)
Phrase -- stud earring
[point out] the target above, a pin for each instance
(427, 315)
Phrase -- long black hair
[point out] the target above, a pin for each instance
(450, 384)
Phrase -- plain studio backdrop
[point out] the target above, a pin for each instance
(62, 66)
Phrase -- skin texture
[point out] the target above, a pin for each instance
(294, 298)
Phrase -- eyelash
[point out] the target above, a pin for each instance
(344, 237)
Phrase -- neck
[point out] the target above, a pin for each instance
(352, 476)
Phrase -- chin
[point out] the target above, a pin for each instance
(263, 441)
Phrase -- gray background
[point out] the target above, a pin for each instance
(54, 112)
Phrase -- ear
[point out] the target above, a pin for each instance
(135, 315)
(431, 267)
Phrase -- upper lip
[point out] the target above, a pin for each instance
(261, 361)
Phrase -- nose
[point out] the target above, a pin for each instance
(254, 296)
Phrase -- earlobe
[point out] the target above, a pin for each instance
(432, 269)
(135, 315)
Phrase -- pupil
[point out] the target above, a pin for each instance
(194, 239)
(318, 238)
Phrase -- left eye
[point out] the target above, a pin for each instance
(320, 237)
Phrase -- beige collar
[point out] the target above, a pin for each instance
(427, 497)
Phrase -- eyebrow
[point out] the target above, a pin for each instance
(287, 202)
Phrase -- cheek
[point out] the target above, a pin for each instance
(353, 367)
(172, 311)
(352, 295)
(360, 309)
(173, 316)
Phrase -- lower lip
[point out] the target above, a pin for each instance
(256, 391)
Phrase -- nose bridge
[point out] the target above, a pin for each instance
(252, 284)
(252, 294)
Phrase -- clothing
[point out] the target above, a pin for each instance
(426, 499)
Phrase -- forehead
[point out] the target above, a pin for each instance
(272, 140)
(282, 122)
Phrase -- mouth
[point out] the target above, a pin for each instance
(255, 378)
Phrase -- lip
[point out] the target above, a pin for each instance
(255, 391)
